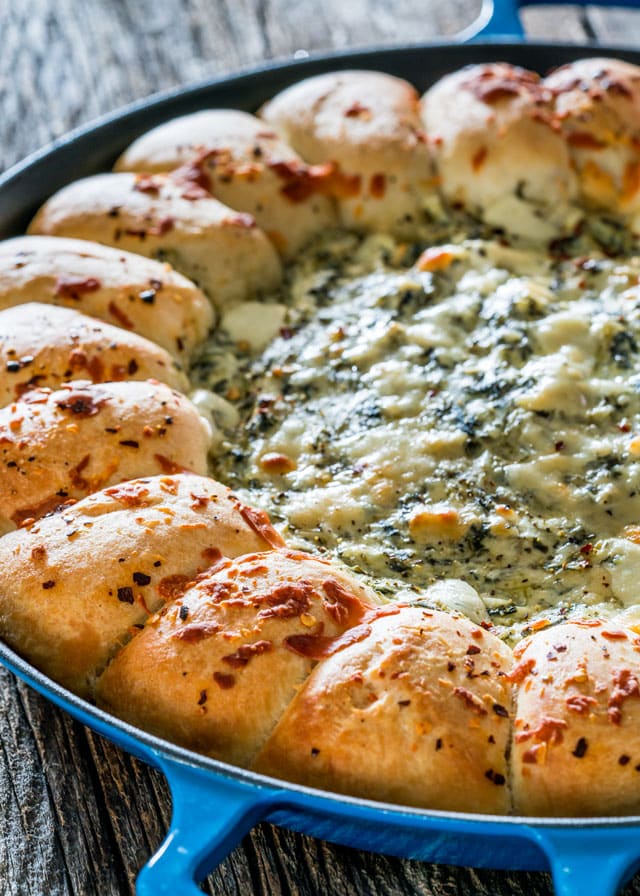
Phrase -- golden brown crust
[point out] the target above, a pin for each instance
(416, 713)
(597, 112)
(59, 446)
(223, 251)
(367, 123)
(43, 345)
(576, 745)
(123, 289)
(245, 165)
(497, 151)
(74, 584)
(215, 670)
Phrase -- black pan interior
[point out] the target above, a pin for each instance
(95, 147)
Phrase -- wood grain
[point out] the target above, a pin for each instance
(79, 817)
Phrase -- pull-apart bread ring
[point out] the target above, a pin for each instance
(576, 745)
(415, 712)
(367, 124)
(76, 585)
(497, 152)
(43, 345)
(215, 670)
(126, 290)
(173, 220)
(244, 164)
(597, 112)
(63, 445)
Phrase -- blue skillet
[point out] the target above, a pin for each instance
(214, 804)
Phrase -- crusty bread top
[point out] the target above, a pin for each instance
(576, 746)
(497, 151)
(45, 345)
(238, 159)
(216, 669)
(597, 112)
(123, 289)
(224, 251)
(62, 445)
(369, 124)
(417, 711)
(73, 584)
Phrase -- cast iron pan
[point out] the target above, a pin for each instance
(214, 804)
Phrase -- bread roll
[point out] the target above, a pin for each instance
(215, 670)
(75, 585)
(417, 712)
(223, 251)
(597, 107)
(42, 345)
(126, 290)
(576, 746)
(368, 124)
(497, 152)
(60, 446)
(245, 165)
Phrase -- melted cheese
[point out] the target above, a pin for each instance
(477, 424)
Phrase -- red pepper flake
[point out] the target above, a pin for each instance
(357, 110)
(559, 445)
(471, 701)
(472, 649)
(625, 684)
(141, 578)
(202, 699)
(125, 595)
(194, 177)
(581, 748)
(48, 584)
(147, 183)
(164, 225)
(72, 289)
(244, 654)
(580, 703)
(224, 680)
(120, 316)
(586, 549)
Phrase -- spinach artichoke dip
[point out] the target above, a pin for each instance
(456, 419)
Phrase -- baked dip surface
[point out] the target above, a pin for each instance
(454, 409)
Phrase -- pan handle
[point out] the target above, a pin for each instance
(208, 820)
(500, 19)
(589, 860)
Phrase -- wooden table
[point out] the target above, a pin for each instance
(79, 816)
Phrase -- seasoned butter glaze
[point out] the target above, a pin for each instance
(459, 408)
